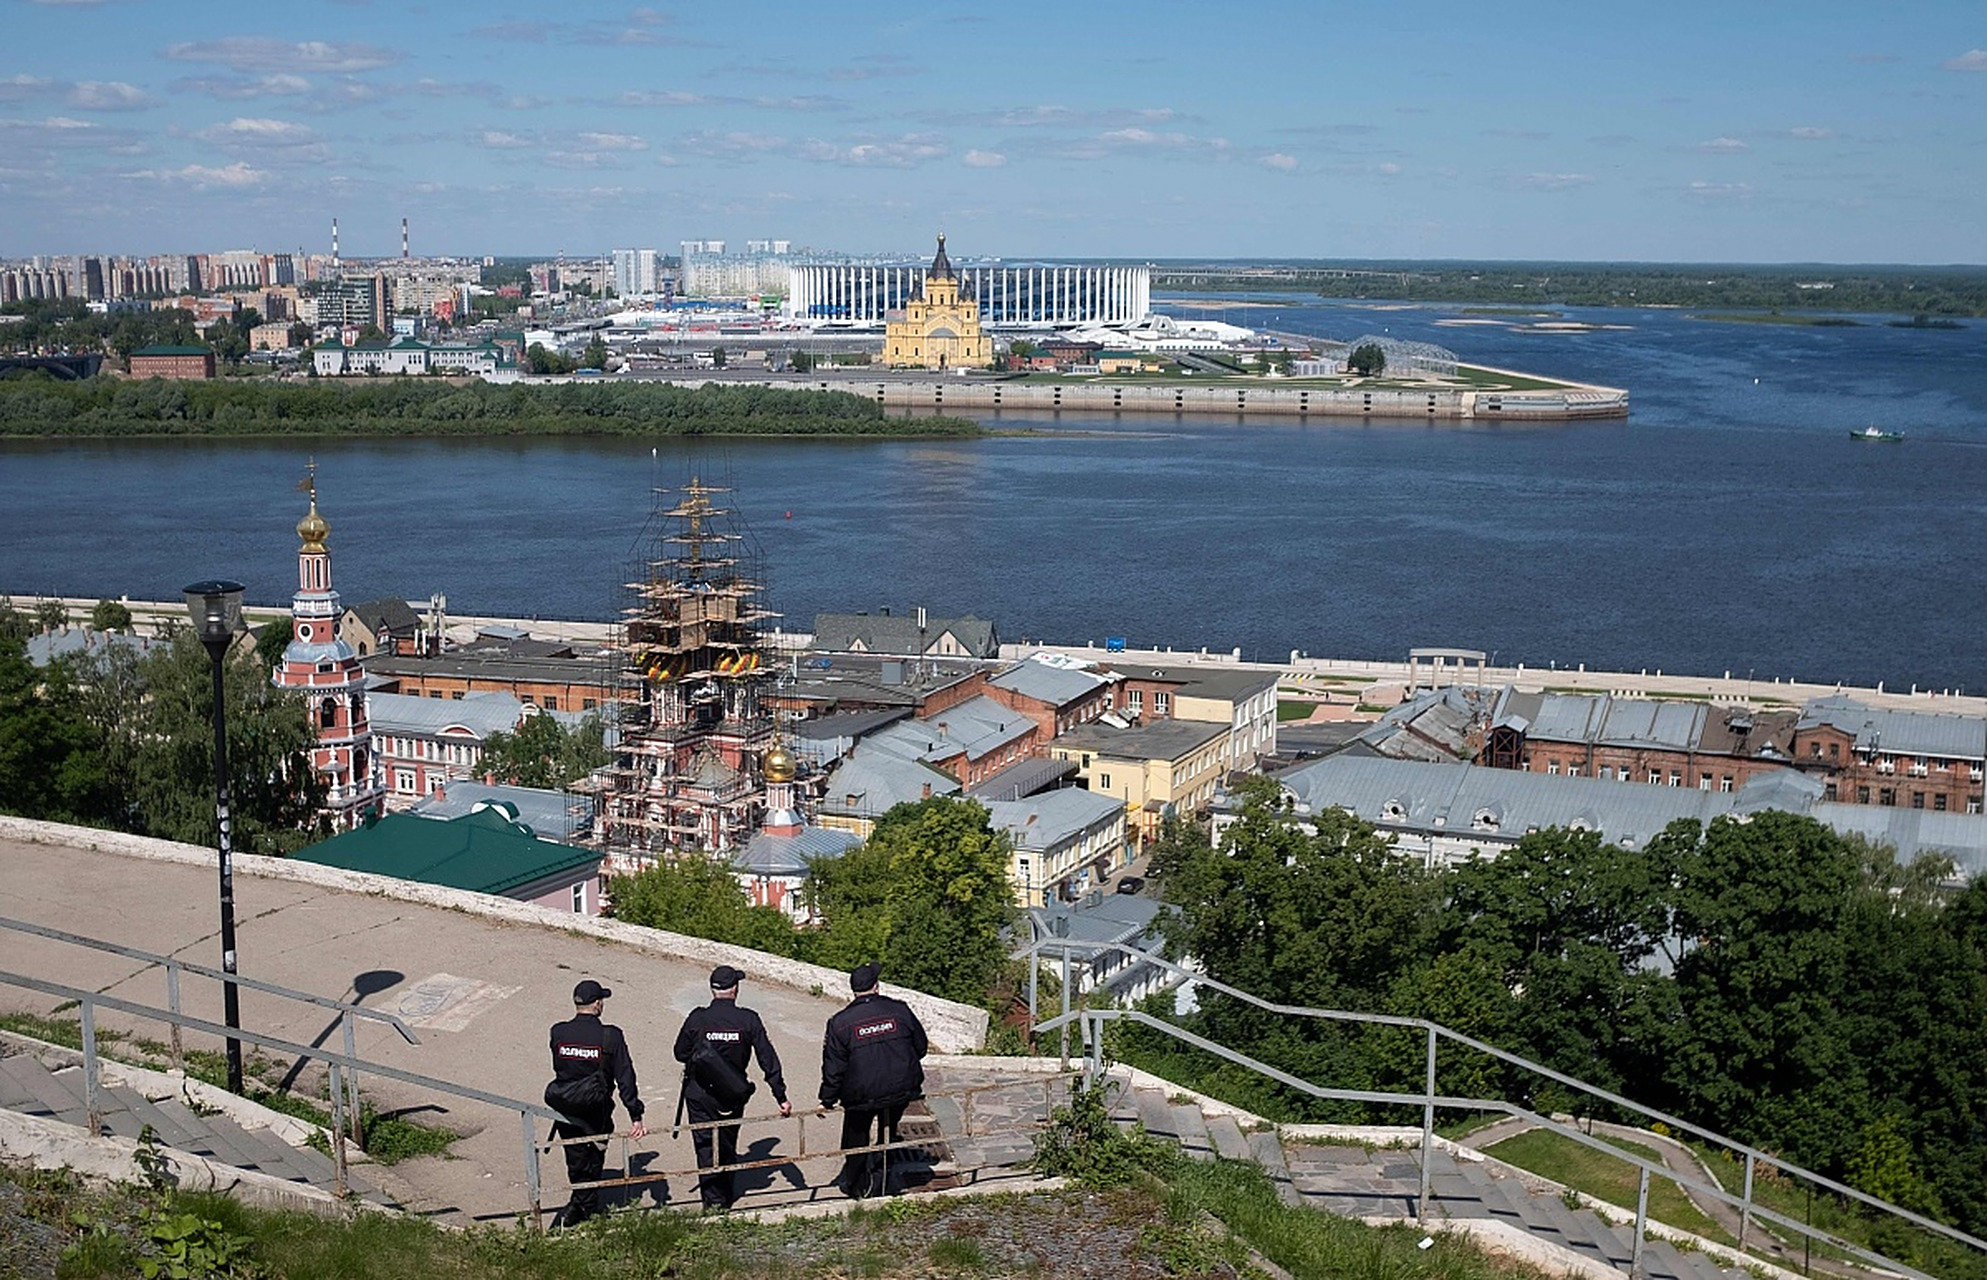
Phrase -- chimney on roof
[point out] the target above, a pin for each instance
(927, 791)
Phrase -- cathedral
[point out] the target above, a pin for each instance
(936, 330)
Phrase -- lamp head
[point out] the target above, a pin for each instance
(215, 607)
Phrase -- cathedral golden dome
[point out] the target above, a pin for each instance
(778, 765)
(313, 528)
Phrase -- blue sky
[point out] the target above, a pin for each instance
(1752, 130)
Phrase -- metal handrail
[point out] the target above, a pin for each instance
(529, 1113)
(1753, 1156)
(173, 965)
(1092, 1021)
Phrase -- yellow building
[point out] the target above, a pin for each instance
(1163, 768)
(936, 330)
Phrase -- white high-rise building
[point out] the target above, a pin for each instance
(636, 271)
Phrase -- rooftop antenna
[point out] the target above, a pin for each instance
(403, 239)
(334, 244)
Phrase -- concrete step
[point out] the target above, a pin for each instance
(1155, 1113)
(1191, 1125)
(1266, 1149)
(1229, 1142)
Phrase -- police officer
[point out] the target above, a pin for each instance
(731, 1034)
(585, 1046)
(871, 1063)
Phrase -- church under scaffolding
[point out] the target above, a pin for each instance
(692, 666)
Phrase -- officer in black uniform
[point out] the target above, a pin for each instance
(871, 1063)
(585, 1046)
(732, 1034)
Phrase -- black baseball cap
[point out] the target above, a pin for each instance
(589, 991)
(863, 977)
(724, 977)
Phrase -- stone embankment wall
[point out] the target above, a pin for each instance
(1278, 399)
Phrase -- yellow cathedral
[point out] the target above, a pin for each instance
(936, 330)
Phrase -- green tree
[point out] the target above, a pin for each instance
(718, 357)
(596, 354)
(1367, 360)
(270, 642)
(301, 334)
(699, 895)
(109, 615)
(51, 762)
(541, 752)
(14, 624)
(800, 362)
(50, 615)
(153, 719)
(927, 896)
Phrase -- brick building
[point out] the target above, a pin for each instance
(195, 363)
(1245, 701)
(1668, 743)
(556, 684)
(1057, 693)
(1902, 759)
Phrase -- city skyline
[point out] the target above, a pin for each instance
(1828, 133)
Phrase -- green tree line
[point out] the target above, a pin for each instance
(1929, 291)
(118, 738)
(1793, 988)
(38, 406)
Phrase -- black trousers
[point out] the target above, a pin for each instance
(717, 1190)
(863, 1173)
(584, 1160)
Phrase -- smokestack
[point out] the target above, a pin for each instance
(334, 242)
(403, 239)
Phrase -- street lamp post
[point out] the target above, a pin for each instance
(215, 607)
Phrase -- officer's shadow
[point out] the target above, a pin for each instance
(655, 1194)
(763, 1178)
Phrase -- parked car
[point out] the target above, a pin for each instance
(1130, 884)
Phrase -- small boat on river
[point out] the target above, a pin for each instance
(1874, 433)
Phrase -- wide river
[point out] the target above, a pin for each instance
(1729, 524)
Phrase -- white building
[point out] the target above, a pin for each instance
(1019, 297)
(636, 272)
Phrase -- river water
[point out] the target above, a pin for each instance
(1729, 525)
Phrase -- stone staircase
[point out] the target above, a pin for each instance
(42, 1086)
(1376, 1184)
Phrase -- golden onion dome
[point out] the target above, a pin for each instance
(778, 765)
(313, 528)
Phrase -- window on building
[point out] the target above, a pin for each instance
(1552, 767)
(1939, 802)
(1703, 782)
(1161, 703)
(1135, 699)
(1917, 799)
(579, 899)
(1828, 791)
(1655, 778)
(457, 695)
(1104, 781)
(1817, 747)
(588, 704)
(1572, 770)
(1862, 795)
(552, 703)
(1887, 796)
(1725, 783)
(1676, 778)
(1834, 750)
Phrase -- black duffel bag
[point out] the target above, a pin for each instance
(725, 1083)
(576, 1095)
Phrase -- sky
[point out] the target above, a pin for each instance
(1741, 131)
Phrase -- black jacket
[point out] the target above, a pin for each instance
(736, 1034)
(584, 1045)
(872, 1054)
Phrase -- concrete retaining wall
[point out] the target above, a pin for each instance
(953, 1028)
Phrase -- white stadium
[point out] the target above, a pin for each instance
(1019, 297)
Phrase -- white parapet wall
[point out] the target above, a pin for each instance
(952, 1027)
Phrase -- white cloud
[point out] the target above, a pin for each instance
(1387, 168)
(1719, 190)
(235, 175)
(254, 131)
(106, 95)
(264, 54)
(499, 140)
(733, 145)
(612, 142)
(1810, 133)
(282, 85)
(1722, 145)
(977, 159)
(1278, 160)
(886, 153)
(1551, 181)
(1971, 60)
(663, 98)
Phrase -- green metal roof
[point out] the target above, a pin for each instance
(484, 852)
(173, 351)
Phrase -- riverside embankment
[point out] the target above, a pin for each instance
(1286, 398)
(1344, 682)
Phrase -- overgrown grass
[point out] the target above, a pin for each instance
(1288, 709)
(1551, 1155)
